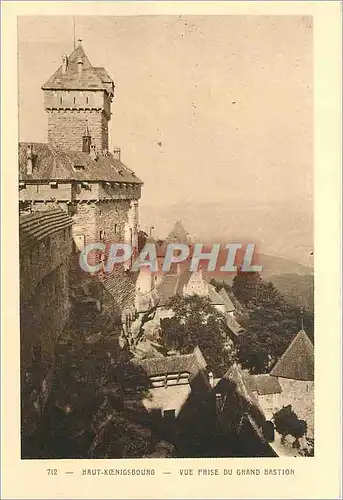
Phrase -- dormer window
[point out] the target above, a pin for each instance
(79, 167)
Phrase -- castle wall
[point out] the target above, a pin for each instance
(77, 191)
(41, 260)
(44, 311)
(45, 191)
(75, 99)
(66, 127)
(300, 394)
(109, 221)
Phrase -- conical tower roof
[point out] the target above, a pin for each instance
(178, 234)
(297, 362)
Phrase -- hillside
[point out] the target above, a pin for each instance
(298, 290)
(277, 229)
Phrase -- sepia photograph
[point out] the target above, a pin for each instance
(166, 236)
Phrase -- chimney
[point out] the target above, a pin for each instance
(86, 141)
(29, 156)
(93, 153)
(116, 153)
(64, 63)
(79, 66)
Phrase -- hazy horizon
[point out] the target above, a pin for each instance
(207, 109)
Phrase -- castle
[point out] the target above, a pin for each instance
(72, 192)
(75, 168)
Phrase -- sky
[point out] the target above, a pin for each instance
(208, 109)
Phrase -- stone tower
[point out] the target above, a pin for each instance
(75, 169)
(77, 98)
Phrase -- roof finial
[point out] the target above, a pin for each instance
(74, 32)
(302, 317)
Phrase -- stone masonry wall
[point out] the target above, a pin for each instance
(42, 319)
(67, 127)
(102, 221)
(41, 260)
(300, 394)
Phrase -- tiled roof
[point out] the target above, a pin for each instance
(297, 362)
(90, 77)
(120, 285)
(264, 384)
(189, 363)
(178, 234)
(36, 227)
(170, 285)
(240, 379)
(236, 375)
(233, 324)
(165, 289)
(215, 298)
(229, 307)
(51, 163)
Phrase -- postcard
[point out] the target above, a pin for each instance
(171, 242)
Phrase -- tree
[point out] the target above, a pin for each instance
(272, 322)
(86, 416)
(196, 322)
(287, 423)
(246, 287)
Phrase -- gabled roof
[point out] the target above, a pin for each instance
(214, 297)
(166, 288)
(36, 227)
(229, 307)
(297, 362)
(171, 284)
(91, 78)
(234, 326)
(53, 164)
(183, 363)
(236, 375)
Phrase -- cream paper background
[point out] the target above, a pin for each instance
(317, 477)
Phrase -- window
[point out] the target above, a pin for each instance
(79, 167)
(61, 100)
(74, 100)
(86, 185)
(87, 100)
(22, 185)
(169, 414)
(53, 185)
(102, 235)
(115, 228)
